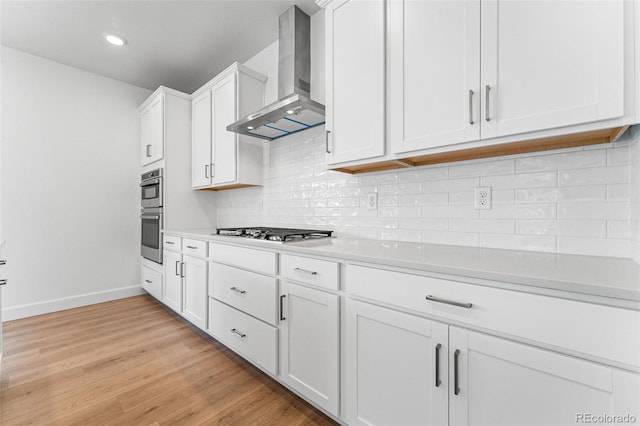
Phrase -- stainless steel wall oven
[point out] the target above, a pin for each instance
(151, 215)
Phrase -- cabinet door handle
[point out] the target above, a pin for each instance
(183, 270)
(456, 356)
(438, 346)
(306, 271)
(3, 262)
(148, 148)
(326, 141)
(4, 281)
(282, 317)
(213, 171)
(449, 302)
(148, 281)
(237, 290)
(177, 265)
(238, 333)
(470, 106)
(206, 171)
(486, 102)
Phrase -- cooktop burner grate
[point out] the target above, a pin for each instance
(274, 234)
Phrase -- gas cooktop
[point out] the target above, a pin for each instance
(274, 234)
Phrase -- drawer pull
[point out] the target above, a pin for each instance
(306, 271)
(3, 281)
(237, 290)
(449, 302)
(237, 333)
(192, 247)
(456, 388)
(438, 346)
(148, 281)
(3, 262)
(282, 317)
(169, 242)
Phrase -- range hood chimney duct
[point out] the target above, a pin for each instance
(294, 110)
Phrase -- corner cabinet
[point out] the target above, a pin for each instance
(432, 77)
(223, 159)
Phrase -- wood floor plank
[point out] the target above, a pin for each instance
(134, 362)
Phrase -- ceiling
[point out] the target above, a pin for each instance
(178, 44)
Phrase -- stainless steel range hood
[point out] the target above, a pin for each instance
(294, 110)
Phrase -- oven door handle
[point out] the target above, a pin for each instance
(150, 182)
(149, 216)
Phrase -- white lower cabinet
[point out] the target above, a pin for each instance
(407, 370)
(152, 281)
(248, 336)
(391, 369)
(185, 280)
(309, 344)
(172, 296)
(194, 290)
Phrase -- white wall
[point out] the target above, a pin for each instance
(70, 174)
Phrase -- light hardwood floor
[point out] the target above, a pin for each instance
(133, 362)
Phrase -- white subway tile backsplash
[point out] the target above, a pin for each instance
(453, 185)
(590, 176)
(521, 180)
(590, 193)
(484, 168)
(573, 228)
(578, 200)
(608, 211)
(569, 160)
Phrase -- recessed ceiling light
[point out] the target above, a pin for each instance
(115, 39)
(290, 111)
(250, 127)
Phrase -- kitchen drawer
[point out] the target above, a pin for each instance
(247, 291)
(321, 273)
(194, 247)
(250, 337)
(256, 260)
(152, 282)
(601, 331)
(171, 242)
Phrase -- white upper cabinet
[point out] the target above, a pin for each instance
(355, 119)
(220, 158)
(201, 134)
(433, 73)
(411, 78)
(549, 64)
(152, 130)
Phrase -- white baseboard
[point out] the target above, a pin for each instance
(54, 305)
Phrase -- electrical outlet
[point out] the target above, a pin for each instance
(260, 205)
(483, 198)
(372, 201)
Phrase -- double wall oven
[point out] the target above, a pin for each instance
(151, 215)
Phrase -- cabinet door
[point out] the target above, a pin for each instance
(194, 297)
(224, 108)
(548, 64)
(392, 362)
(201, 142)
(433, 73)
(309, 344)
(501, 382)
(172, 296)
(152, 131)
(355, 79)
(152, 282)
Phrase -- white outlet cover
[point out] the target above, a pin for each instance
(372, 201)
(483, 198)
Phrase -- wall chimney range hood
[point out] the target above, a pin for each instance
(294, 110)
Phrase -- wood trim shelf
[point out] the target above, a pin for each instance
(232, 186)
(534, 145)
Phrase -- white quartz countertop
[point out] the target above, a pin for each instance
(571, 274)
